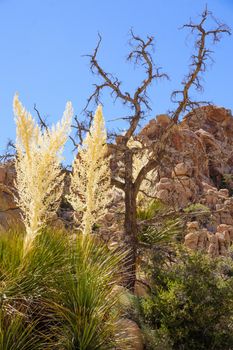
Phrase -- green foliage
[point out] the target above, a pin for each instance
(227, 182)
(86, 304)
(58, 295)
(197, 207)
(149, 211)
(227, 179)
(16, 334)
(160, 227)
(200, 212)
(191, 306)
(155, 338)
(25, 284)
(162, 233)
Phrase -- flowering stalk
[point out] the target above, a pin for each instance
(90, 181)
(39, 180)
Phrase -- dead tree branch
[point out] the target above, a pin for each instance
(138, 101)
(9, 153)
(42, 122)
(199, 62)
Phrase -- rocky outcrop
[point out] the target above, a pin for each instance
(203, 240)
(199, 169)
(203, 140)
(111, 226)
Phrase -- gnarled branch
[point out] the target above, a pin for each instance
(198, 62)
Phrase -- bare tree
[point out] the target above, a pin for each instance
(138, 101)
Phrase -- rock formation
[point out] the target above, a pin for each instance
(199, 169)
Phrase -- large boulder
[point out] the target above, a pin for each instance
(181, 169)
(129, 335)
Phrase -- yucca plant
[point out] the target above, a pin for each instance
(60, 295)
(87, 305)
(16, 334)
(25, 284)
(33, 275)
(148, 211)
(162, 233)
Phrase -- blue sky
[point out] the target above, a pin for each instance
(42, 43)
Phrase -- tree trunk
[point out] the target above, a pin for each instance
(130, 238)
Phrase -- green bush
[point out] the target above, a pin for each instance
(150, 210)
(190, 305)
(199, 212)
(197, 207)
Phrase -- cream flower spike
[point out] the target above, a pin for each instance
(90, 182)
(39, 180)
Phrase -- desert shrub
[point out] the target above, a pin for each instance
(197, 207)
(149, 210)
(58, 295)
(191, 304)
(200, 212)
